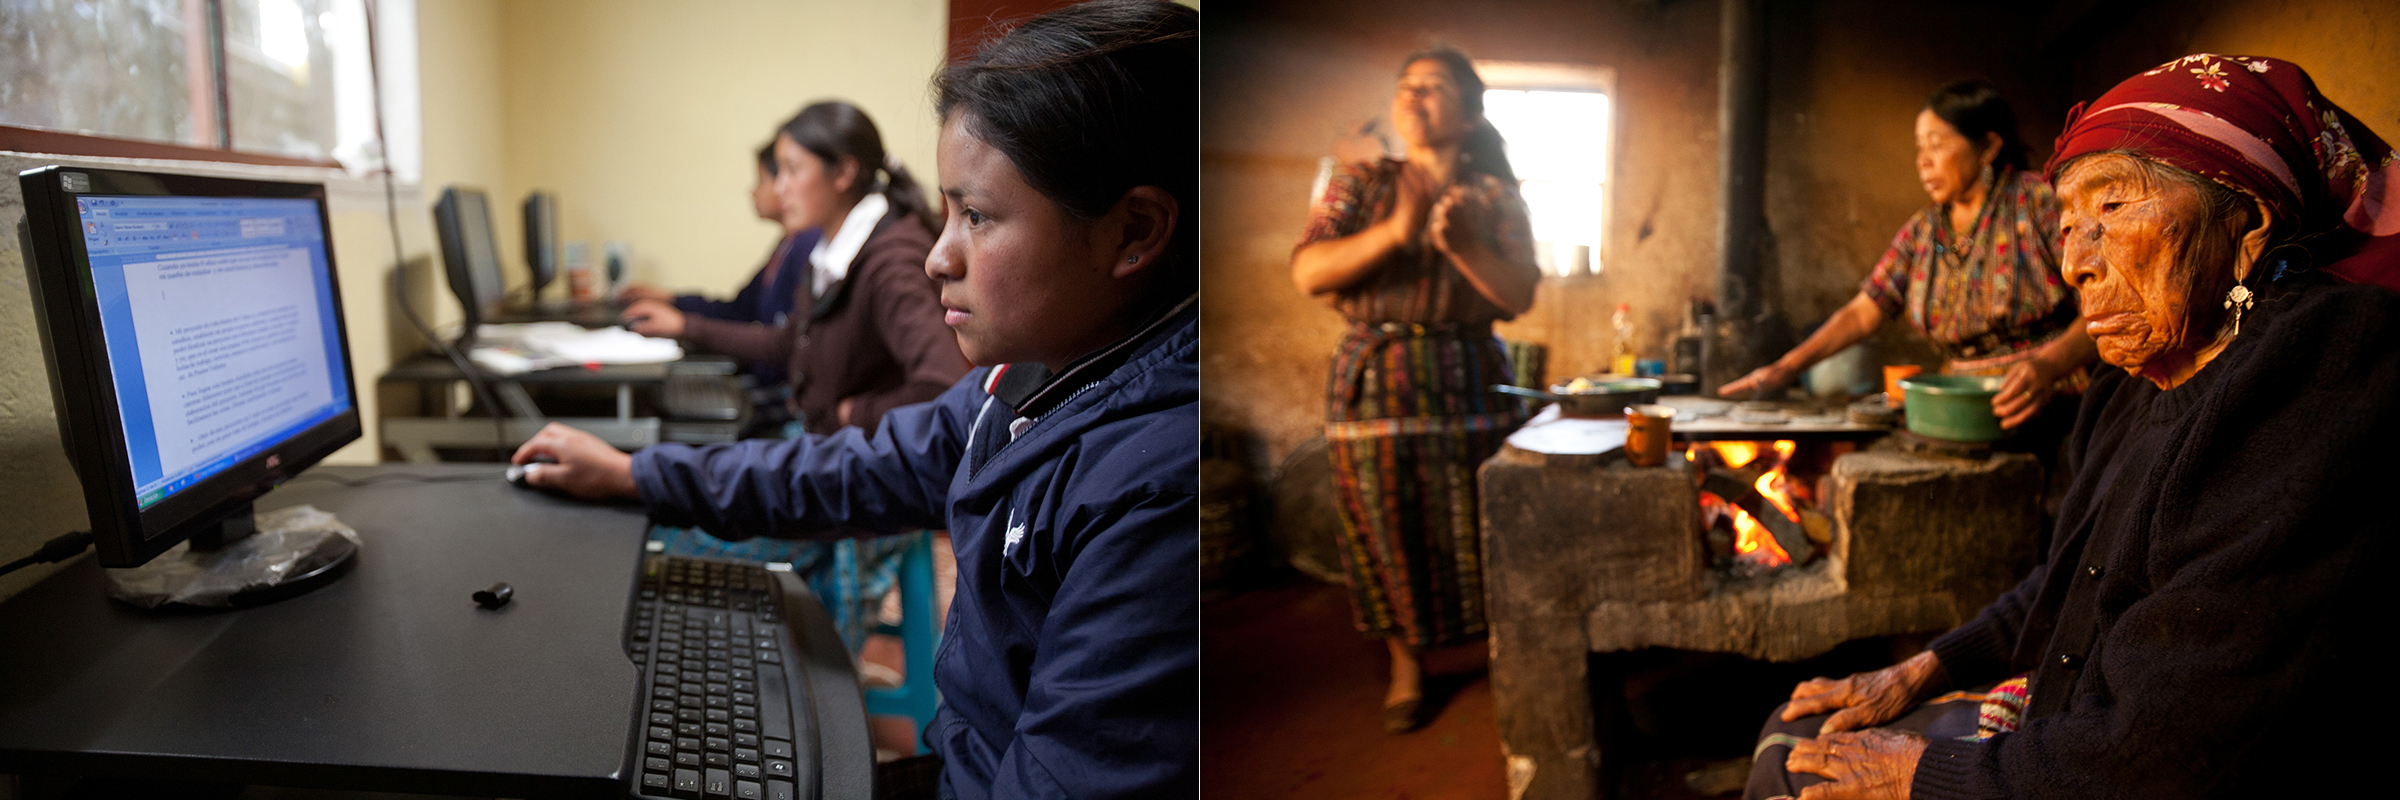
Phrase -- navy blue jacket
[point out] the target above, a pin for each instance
(759, 302)
(1070, 663)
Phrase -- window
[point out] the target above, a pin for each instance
(1558, 120)
(286, 80)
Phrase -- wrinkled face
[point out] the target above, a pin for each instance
(763, 200)
(812, 190)
(1427, 110)
(1947, 163)
(2126, 241)
(1021, 279)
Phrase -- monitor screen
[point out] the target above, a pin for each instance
(220, 329)
(193, 331)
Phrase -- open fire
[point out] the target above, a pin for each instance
(1770, 520)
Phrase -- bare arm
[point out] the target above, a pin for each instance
(2027, 387)
(1322, 268)
(1502, 272)
(1325, 267)
(1857, 320)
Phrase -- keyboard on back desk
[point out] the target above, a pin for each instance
(727, 687)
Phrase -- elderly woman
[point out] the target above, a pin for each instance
(2211, 603)
(1421, 254)
(1976, 273)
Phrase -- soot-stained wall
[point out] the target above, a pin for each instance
(1284, 81)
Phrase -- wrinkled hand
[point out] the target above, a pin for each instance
(654, 318)
(636, 292)
(1772, 376)
(2023, 392)
(587, 467)
(1867, 698)
(1873, 764)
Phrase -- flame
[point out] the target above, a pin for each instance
(1736, 454)
(1784, 448)
(1770, 486)
(1753, 541)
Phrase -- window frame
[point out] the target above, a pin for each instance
(218, 110)
(1520, 76)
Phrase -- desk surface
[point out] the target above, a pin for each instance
(389, 678)
(428, 367)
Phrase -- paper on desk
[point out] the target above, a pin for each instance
(511, 349)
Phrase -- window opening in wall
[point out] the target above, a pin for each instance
(1558, 120)
(287, 80)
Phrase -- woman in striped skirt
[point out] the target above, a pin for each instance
(1421, 254)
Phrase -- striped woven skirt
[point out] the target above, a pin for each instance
(1410, 416)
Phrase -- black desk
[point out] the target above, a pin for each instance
(389, 678)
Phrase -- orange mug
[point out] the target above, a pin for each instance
(1646, 434)
(1892, 376)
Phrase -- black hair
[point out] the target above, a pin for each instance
(1485, 150)
(766, 158)
(833, 130)
(1975, 109)
(1090, 101)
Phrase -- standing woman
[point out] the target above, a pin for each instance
(1422, 254)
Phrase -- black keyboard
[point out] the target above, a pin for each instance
(748, 693)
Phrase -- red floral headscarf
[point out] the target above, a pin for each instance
(2259, 125)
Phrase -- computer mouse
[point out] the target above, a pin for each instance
(516, 472)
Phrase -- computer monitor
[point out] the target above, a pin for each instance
(541, 239)
(470, 256)
(193, 331)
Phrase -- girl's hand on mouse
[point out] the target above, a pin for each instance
(654, 318)
(584, 466)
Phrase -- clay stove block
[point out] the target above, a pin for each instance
(1911, 524)
(1585, 554)
(1581, 529)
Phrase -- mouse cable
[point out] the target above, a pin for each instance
(61, 548)
(391, 210)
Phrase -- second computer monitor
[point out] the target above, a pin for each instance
(470, 256)
(541, 238)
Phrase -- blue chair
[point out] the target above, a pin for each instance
(915, 697)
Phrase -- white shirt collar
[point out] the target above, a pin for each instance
(833, 254)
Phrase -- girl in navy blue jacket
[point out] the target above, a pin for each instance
(1066, 467)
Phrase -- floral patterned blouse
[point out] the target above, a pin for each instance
(1416, 283)
(1992, 291)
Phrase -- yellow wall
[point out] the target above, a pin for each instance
(459, 78)
(642, 117)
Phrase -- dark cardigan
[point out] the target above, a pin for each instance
(2203, 627)
(876, 336)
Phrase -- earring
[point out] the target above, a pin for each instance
(1133, 259)
(2239, 299)
(1986, 177)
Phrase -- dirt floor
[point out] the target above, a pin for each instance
(1291, 707)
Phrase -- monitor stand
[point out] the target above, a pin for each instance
(229, 563)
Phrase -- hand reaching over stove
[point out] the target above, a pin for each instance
(1868, 699)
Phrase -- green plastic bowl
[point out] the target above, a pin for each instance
(1953, 407)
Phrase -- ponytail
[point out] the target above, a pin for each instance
(833, 130)
(902, 191)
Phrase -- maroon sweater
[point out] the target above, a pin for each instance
(875, 338)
